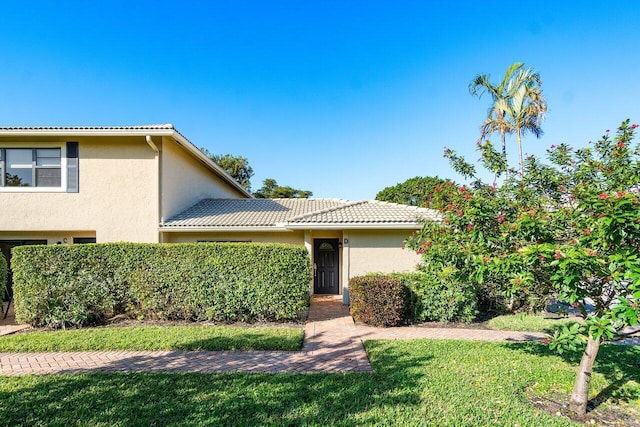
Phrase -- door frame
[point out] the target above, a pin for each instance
(338, 259)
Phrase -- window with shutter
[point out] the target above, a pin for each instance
(31, 167)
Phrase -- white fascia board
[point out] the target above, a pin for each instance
(356, 226)
(88, 132)
(222, 229)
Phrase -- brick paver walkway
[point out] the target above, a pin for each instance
(332, 344)
(8, 326)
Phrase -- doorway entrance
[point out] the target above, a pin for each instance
(5, 248)
(326, 266)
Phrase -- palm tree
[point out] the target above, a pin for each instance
(525, 108)
(496, 116)
(518, 105)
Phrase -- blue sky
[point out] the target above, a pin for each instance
(342, 98)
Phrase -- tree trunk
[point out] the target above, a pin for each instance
(580, 393)
(504, 153)
(520, 162)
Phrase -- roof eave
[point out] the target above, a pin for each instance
(355, 226)
(87, 132)
(201, 229)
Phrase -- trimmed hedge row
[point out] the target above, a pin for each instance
(379, 300)
(440, 298)
(74, 285)
(3, 276)
(395, 299)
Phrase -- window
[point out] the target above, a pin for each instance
(83, 240)
(30, 167)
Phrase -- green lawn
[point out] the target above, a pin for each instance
(421, 382)
(528, 323)
(156, 338)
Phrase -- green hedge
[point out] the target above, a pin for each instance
(378, 300)
(401, 298)
(3, 275)
(74, 285)
(439, 298)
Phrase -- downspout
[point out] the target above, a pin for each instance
(152, 144)
(155, 149)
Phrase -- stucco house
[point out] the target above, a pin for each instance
(65, 185)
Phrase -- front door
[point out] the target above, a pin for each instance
(5, 249)
(326, 266)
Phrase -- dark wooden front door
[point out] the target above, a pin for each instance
(5, 249)
(326, 259)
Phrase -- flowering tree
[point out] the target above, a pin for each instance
(569, 229)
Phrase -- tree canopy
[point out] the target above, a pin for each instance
(518, 106)
(236, 166)
(568, 229)
(414, 191)
(240, 170)
(271, 190)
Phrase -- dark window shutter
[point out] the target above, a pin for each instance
(73, 181)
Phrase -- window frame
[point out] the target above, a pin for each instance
(34, 147)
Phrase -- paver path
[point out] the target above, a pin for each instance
(332, 344)
(8, 325)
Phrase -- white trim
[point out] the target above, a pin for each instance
(87, 132)
(187, 229)
(293, 227)
(355, 226)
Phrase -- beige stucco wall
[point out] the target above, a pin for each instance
(292, 237)
(186, 181)
(375, 251)
(118, 197)
(381, 251)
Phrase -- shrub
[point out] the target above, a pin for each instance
(3, 275)
(439, 298)
(73, 285)
(379, 300)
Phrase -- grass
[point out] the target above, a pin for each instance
(419, 382)
(528, 323)
(156, 338)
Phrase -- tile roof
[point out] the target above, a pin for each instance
(368, 212)
(283, 213)
(76, 128)
(57, 129)
(246, 212)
